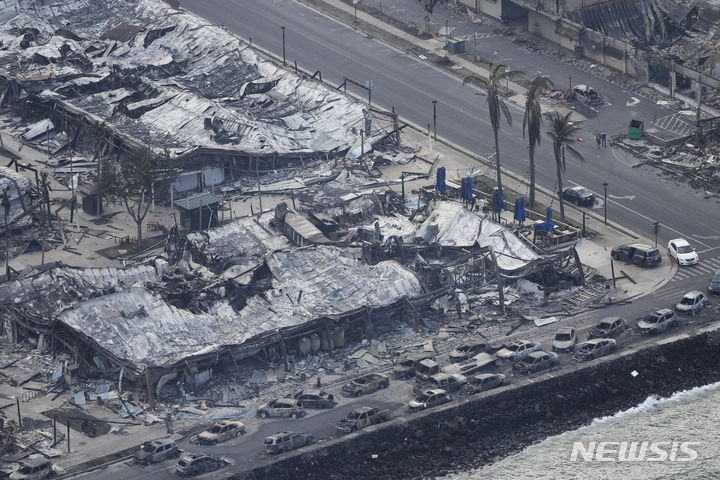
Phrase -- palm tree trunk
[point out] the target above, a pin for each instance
(497, 161)
(559, 179)
(532, 176)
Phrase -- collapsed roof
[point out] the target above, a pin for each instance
(139, 329)
(451, 225)
(38, 299)
(165, 78)
(647, 21)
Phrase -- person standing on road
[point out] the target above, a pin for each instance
(598, 139)
(604, 138)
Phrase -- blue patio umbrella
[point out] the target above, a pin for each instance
(520, 209)
(497, 202)
(440, 183)
(548, 224)
(468, 188)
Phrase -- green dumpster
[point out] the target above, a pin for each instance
(456, 46)
(635, 130)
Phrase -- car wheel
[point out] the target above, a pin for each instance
(294, 415)
(385, 384)
(263, 414)
(358, 393)
(614, 256)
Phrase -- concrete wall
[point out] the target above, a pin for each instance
(546, 27)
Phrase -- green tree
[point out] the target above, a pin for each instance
(496, 105)
(532, 121)
(130, 181)
(562, 132)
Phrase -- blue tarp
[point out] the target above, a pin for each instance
(440, 184)
(520, 209)
(498, 203)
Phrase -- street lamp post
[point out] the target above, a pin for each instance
(283, 35)
(434, 102)
(605, 185)
(656, 228)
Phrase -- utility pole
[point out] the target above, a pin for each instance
(283, 40)
(656, 228)
(605, 185)
(434, 102)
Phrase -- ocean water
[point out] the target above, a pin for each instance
(673, 438)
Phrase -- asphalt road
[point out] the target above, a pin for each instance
(638, 195)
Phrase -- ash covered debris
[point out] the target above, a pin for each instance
(156, 77)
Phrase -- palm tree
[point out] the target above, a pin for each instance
(562, 132)
(496, 105)
(532, 123)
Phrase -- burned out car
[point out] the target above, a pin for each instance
(691, 303)
(565, 340)
(658, 321)
(286, 441)
(467, 350)
(594, 348)
(405, 368)
(608, 327)
(195, 463)
(365, 384)
(362, 417)
(156, 451)
(425, 369)
(35, 468)
(588, 95)
(535, 362)
(483, 382)
(221, 431)
(518, 350)
(428, 399)
(314, 399)
(282, 408)
(450, 382)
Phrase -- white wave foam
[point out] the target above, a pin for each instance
(654, 402)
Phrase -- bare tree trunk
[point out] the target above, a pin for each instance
(497, 160)
(139, 231)
(559, 178)
(531, 201)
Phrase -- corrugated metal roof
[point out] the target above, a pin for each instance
(198, 200)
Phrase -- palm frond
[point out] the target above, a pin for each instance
(475, 80)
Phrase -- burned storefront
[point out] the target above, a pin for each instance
(150, 76)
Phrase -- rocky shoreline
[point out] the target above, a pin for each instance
(484, 430)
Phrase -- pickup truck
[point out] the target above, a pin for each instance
(360, 418)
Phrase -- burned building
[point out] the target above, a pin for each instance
(112, 76)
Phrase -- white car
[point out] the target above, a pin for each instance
(565, 340)
(518, 350)
(682, 252)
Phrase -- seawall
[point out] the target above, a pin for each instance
(482, 429)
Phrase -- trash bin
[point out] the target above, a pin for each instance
(635, 130)
(456, 46)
